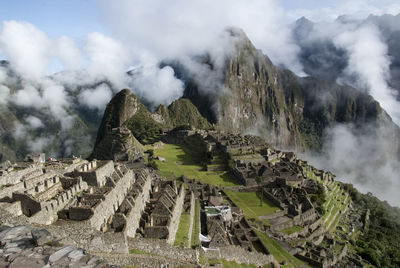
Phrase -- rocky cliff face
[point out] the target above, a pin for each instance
(127, 123)
(288, 110)
(114, 140)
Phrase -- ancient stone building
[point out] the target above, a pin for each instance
(163, 212)
(95, 173)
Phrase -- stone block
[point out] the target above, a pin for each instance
(41, 237)
(61, 253)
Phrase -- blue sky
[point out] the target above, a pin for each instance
(74, 18)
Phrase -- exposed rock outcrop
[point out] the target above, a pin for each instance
(24, 246)
(114, 140)
(292, 112)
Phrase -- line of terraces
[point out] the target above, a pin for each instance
(253, 163)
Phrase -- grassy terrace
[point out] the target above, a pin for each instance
(250, 202)
(230, 264)
(279, 252)
(180, 160)
(181, 238)
(334, 200)
(196, 225)
(291, 230)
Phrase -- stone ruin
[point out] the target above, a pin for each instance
(293, 201)
(222, 222)
(161, 216)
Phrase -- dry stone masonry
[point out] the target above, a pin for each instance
(111, 206)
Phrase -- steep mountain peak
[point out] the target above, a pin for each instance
(122, 107)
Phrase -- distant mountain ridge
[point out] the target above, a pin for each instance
(321, 58)
(291, 111)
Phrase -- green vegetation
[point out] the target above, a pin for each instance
(311, 132)
(180, 160)
(196, 225)
(291, 230)
(230, 264)
(380, 245)
(137, 251)
(250, 203)
(143, 126)
(279, 252)
(183, 112)
(181, 238)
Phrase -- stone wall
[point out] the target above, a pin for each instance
(30, 184)
(29, 205)
(272, 199)
(133, 217)
(176, 215)
(15, 177)
(48, 213)
(95, 172)
(192, 213)
(240, 255)
(7, 192)
(160, 247)
(111, 201)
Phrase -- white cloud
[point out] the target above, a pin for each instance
(26, 47)
(364, 158)
(168, 29)
(369, 61)
(157, 85)
(96, 98)
(355, 9)
(28, 97)
(34, 122)
(68, 52)
(4, 94)
(108, 57)
(39, 144)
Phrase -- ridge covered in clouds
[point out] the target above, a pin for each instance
(365, 54)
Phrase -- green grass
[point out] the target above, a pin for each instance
(181, 238)
(279, 252)
(249, 202)
(180, 160)
(229, 264)
(137, 251)
(291, 230)
(196, 225)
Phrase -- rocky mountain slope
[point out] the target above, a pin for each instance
(127, 123)
(322, 58)
(27, 124)
(291, 111)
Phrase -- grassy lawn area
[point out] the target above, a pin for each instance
(137, 251)
(231, 264)
(279, 252)
(249, 202)
(291, 230)
(196, 225)
(182, 161)
(181, 237)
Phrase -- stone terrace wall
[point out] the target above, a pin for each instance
(15, 177)
(192, 207)
(176, 215)
(160, 247)
(48, 213)
(272, 199)
(8, 191)
(111, 201)
(133, 217)
(240, 255)
(95, 172)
